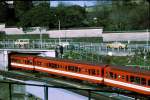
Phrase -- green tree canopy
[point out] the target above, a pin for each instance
(3, 12)
(38, 16)
(70, 16)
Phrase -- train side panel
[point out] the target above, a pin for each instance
(127, 80)
(21, 62)
(72, 70)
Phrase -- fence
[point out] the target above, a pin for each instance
(46, 88)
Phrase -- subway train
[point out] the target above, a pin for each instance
(124, 77)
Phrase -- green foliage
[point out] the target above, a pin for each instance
(122, 15)
(73, 16)
(112, 15)
(37, 16)
(21, 7)
(3, 11)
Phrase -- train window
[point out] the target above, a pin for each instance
(111, 74)
(115, 76)
(137, 80)
(71, 68)
(123, 77)
(86, 70)
(98, 72)
(143, 81)
(60, 66)
(148, 82)
(77, 69)
(107, 74)
(29, 61)
(119, 76)
(23, 61)
(18, 61)
(53, 65)
(37, 63)
(66, 67)
(50, 64)
(13, 60)
(89, 71)
(127, 78)
(93, 72)
(131, 78)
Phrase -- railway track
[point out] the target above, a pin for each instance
(59, 82)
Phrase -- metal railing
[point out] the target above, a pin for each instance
(89, 93)
(86, 92)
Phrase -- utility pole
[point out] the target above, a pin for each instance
(40, 37)
(59, 29)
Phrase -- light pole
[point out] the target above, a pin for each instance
(95, 20)
(40, 36)
(58, 27)
(147, 38)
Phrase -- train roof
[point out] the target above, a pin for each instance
(132, 69)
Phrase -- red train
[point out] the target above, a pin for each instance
(127, 78)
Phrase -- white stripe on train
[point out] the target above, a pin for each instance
(59, 71)
(86, 76)
(127, 84)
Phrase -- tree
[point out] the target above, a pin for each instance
(21, 7)
(70, 16)
(38, 16)
(3, 12)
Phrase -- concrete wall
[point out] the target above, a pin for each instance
(4, 60)
(129, 36)
(75, 33)
(92, 32)
(95, 32)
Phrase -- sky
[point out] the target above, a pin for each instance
(77, 2)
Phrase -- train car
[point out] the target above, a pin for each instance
(72, 69)
(68, 68)
(125, 77)
(128, 78)
(21, 62)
